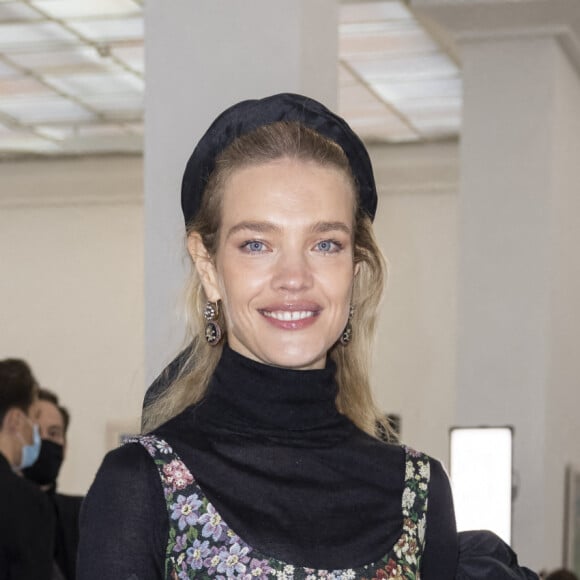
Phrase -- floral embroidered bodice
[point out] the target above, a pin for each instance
(202, 545)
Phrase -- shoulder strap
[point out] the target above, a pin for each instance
(183, 499)
(414, 504)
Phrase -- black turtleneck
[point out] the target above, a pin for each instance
(290, 475)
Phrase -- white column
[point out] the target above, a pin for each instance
(201, 57)
(519, 224)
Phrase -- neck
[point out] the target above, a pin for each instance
(9, 449)
(245, 396)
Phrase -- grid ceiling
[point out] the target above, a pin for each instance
(72, 76)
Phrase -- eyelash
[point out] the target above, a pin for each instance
(336, 246)
(246, 246)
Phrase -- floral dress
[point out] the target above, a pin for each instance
(202, 545)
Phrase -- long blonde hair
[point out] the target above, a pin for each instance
(267, 143)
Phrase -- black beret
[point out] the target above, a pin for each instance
(247, 116)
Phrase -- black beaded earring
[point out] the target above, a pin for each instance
(213, 331)
(346, 335)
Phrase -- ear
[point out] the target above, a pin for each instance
(12, 420)
(204, 266)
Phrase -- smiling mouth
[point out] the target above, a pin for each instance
(289, 315)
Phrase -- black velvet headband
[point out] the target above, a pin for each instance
(246, 116)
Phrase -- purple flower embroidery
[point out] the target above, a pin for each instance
(185, 510)
(212, 561)
(197, 553)
(259, 570)
(213, 525)
(233, 561)
(180, 543)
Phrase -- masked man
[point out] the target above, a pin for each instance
(53, 421)
(26, 517)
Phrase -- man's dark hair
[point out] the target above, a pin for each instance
(18, 387)
(562, 575)
(46, 395)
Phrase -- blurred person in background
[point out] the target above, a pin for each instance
(561, 574)
(26, 517)
(53, 421)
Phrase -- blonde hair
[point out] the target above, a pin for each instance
(267, 143)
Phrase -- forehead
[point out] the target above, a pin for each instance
(288, 190)
(48, 414)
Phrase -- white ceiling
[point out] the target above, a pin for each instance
(72, 76)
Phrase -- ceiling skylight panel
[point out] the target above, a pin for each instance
(28, 110)
(368, 11)
(389, 130)
(22, 85)
(101, 130)
(434, 116)
(22, 141)
(431, 105)
(404, 67)
(132, 56)
(355, 98)
(439, 127)
(7, 71)
(86, 85)
(87, 8)
(404, 42)
(118, 105)
(38, 36)
(14, 11)
(399, 92)
(75, 57)
(110, 30)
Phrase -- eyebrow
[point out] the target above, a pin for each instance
(258, 227)
(263, 227)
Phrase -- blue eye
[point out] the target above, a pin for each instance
(253, 246)
(328, 246)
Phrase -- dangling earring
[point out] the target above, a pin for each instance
(346, 335)
(213, 331)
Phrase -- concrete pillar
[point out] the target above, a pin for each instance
(519, 224)
(201, 57)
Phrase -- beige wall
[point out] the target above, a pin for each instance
(71, 292)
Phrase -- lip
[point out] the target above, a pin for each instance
(295, 316)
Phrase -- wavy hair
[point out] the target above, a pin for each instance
(354, 399)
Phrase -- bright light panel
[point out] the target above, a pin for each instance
(481, 477)
(86, 8)
(41, 34)
(109, 30)
(44, 109)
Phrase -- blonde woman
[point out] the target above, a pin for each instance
(262, 458)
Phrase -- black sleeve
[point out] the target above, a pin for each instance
(441, 544)
(124, 523)
(34, 539)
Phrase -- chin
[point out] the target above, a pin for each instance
(296, 359)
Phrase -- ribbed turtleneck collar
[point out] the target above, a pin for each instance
(247, 397)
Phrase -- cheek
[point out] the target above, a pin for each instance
(237, 288)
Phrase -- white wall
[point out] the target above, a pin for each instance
(563, 392)
(71, 292)
(416, 224)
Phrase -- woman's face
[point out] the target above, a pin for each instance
(284, 266)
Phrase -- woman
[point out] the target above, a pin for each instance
(263, 458)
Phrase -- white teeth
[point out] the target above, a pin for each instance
(287, 315)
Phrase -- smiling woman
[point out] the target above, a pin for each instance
(263, 459)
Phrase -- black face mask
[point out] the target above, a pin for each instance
(45, 469)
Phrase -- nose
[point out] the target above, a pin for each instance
(293, 272)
